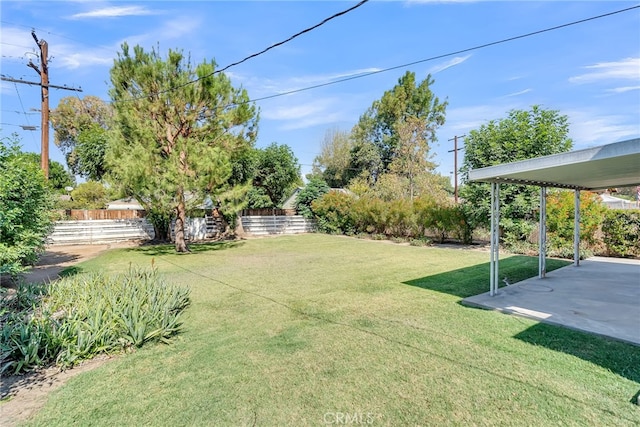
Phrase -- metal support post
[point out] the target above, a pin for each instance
(495, 238)
(542, 241)
(576, 229)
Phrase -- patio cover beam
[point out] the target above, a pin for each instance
(607, 166)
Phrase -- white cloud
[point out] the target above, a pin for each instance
(17, 42)
(448, 64)
(589, 128)
(61, 53)
(259, 86)
(114, 11)
(412, 2)
(463, 119)
(522, 92)
(72, 58)
(625, 69)
(624, 89)
(306, 114)
(321, 78)
(180, 26)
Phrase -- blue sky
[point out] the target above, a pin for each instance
(590, 71)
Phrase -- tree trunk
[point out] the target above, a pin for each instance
(181, 219)
(161, 232)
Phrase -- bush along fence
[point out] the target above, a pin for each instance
(342, 213)
(607, 232)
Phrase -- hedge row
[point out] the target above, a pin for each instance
(341, 213)
(603, 231)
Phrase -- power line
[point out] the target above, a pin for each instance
(381, 336)
(20, 126)
(28, 127)
(16, 45)
(306, 30)
(444, 55)
(17, 112)
(65, 87)
(111, 49)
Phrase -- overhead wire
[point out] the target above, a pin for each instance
(444, 55)
(111, 49)
(24, 112)
(370, 73)
(379, 335)
(273, 46)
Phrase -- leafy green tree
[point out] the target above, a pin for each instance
(524, 134)
(177, 127)
(80, 127)
(377, 134)
(333, 162)
(315, 188)
(277, 175)
(89, 155)
(90, 195)
(412, 158)
(25, 203)
(59, 178)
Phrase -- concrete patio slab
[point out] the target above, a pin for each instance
(601, 296)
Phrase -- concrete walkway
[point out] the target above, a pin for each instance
(601, 296)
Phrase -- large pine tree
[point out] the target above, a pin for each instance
(176, 128)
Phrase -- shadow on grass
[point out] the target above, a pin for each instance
(474, 280)
(71, 271)
(616, 356)
(169, 248)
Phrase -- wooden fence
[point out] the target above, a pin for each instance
(268, 212)
(98, 214)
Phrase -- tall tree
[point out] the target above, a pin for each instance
(376, 134)
(411, 158)
(523, 134)
(59, 178)
(88, 157)
(277, 173)
(177, 125)
(333, 162)
(80, 131)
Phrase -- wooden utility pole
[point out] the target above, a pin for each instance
(44, 86)
(43, 71)
(455, 164)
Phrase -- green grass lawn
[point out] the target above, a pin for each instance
(316, 329)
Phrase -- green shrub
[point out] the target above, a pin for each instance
(621, 232)
(560, 222)
(333, 213)
(463, 224)
(84, 315)
(400, 218)
(25, 203)
(315, 188)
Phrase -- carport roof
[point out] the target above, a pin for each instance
(611, 165)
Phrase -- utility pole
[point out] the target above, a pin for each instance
(44, 86)
(43, 72)
(455, 164)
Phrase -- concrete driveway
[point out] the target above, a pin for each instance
(601, 296)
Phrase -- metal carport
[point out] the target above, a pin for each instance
(606, 166)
